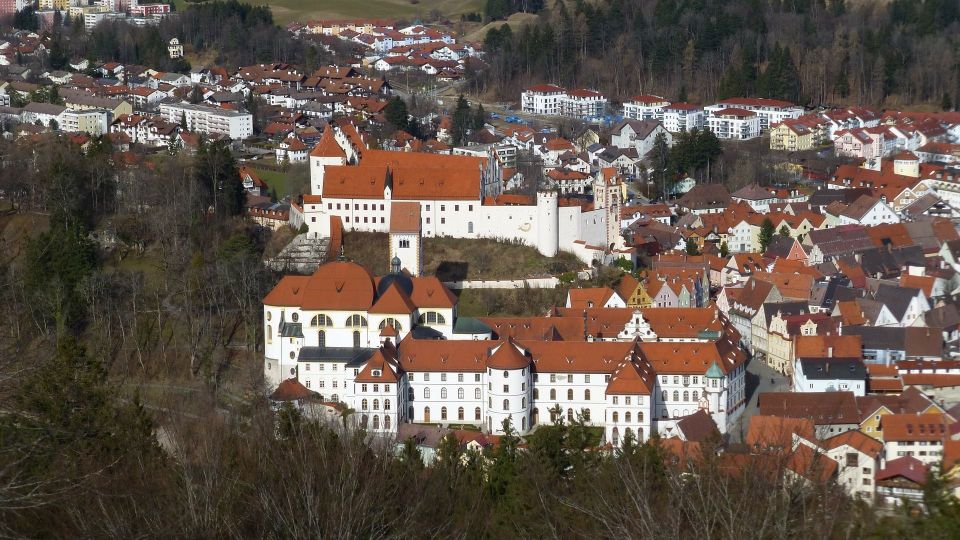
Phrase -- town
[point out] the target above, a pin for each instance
(339, 230)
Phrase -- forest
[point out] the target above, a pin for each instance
(902, 53)
(236, 34)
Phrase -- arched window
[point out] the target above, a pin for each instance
(363, 421)
(335, 398)
(321, 320)
(469, 227)
(616, 417)
(586, 395)
(459, 393)
(321, 339)
(426, 393)
(523, 424)
(616, 437)
(586, 415)
(410, 414)
(443, 393)
(663, 396)
(536, 394)
(686, 395)
(476, 393)
(392, 322)
(386, 404)
(431, 317)
(506, 404)
(460, 413)
(553, 416)
(696, 395)
(269, 334)
(626, 417)
(356, 321)
(628, 431)
(386, 421)
(376, 404)
(443, 413)
(536, 416)
(570, 394)
(363, 405)
(553, 394)
(640, 416)
(676, 395)
(476, 414)
(356, 339)
(426, 414)
(569, 415)
(376, 421)
(523, 403)
(410, 393)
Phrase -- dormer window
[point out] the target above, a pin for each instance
(376, 373)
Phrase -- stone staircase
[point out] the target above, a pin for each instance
(301, 256)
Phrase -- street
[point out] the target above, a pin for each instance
(760, 378)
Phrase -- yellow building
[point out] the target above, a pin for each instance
(797, 134)
(910, 401)
(633, 293)
(54, 5)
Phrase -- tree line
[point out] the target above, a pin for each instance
(812, 52)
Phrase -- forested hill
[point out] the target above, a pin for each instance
(897, 53)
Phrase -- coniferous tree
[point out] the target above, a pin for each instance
(396, 113)
(767, 231)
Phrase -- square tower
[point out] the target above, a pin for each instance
(406, 241)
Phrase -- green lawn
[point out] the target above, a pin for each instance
(275, 179)
(285, 11)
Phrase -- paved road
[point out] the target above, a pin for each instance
(760, 378)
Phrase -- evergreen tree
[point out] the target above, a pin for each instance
(784, 231)
(691, 247)
(479, 118)
(724, 249)
(767, 231)
(946, 103)
(663, 166)
(461, 121)
(396, 113)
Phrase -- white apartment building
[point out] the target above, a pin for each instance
(732, 123)
(769, 111)
(830, 375)
(679, 117)
(91, 121)
(542, 99)
(645, 107)
(552, 100)
(210, 120)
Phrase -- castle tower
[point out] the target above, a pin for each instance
(606, 195)
(548, 223)
(509, 395)
(327, 152)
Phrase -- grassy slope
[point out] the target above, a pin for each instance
(452, 258)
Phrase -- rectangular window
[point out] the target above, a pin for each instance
(443, 377)
(506, 389)
(456, 208)
(410, 377)
(307, 366)
(586, 378)
(476, 377)
(363, 388)
(553, 377)
(426, 376)
(459, 377)
(443, 207)
(626, 400)
(443, 221)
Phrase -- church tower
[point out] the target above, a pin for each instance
(406, 240)
(607, 192)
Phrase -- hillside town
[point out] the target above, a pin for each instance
(811, 315)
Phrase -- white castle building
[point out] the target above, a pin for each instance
(458, 196)
(394, 350)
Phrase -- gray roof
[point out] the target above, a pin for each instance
(44, 108)
(642, 128)
(913, 341)
(785, 309)
(779, 246)
(897, 299)
(706, 196)
(842, 240)
(752, 192)
(348, 355)
(833, 369)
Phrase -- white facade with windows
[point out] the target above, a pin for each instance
(209, 120)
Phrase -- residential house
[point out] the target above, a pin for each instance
(830, 375)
